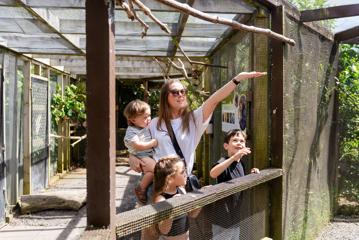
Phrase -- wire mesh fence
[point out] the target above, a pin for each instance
(223, 211)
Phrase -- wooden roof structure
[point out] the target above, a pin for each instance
(56, 31)
(349, 34)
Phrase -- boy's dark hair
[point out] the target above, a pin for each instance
(232, 133)
(134, 109)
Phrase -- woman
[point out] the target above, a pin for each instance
(188, 126)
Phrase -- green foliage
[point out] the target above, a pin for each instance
(136, 91)
(313, 4)
(195, 99)
(71, 105)
(348, 85)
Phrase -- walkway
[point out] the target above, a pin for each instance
(61, 225)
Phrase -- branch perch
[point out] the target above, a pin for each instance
(165, 75)
(180, 68)
(145, 26)
(185, 8)
(148, 12)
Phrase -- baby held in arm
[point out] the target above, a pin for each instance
(139, 142)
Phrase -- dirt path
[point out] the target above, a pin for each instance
(341, 229)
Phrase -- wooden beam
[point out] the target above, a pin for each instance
(329, 13)
(173, 44)
(347, 34)
(27, 129)
(223, 6)
(45, 16)
(276, 131)
(134, 220)
(101, 144)
(352, 41)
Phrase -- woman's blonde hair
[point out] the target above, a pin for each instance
(164, 114)
(164, 169)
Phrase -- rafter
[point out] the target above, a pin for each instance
(172, 47)
(51, 21)
(218, 20)
(329, 13)
(347, 34)
(222, 6)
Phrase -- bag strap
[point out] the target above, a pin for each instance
(175, 143)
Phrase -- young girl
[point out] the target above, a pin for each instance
(169, 178)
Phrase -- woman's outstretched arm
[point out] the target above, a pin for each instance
(210, 104)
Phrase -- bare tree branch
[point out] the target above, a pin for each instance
(130, 13)
(165, 75)
(148, 12)
(185, 8)
(181, 68)
(196, 62)
(145, 26)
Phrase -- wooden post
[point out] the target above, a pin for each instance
(60, 155)
(260, 118)
(101, 148)
(66, 144)
(276, 110)
(60, 165)
(27, 128)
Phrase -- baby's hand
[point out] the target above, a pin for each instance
(154, 142)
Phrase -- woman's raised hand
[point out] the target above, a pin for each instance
(245, 75)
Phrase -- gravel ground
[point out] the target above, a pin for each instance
(341, 229)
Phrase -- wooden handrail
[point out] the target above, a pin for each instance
(137, 219)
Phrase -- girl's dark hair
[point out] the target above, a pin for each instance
(164, 169)
(232, 133)
(164, 113)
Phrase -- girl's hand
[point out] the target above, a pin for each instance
(255, 170)
(245, 75)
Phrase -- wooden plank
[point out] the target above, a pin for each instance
(134, 220)
(101, 144)
(23, 26)
(260, 120)
(135, 30)
(27, 129)
(352, 41)
(51, 21)
(172, 47)
(347, 34)
(329, 13)
(232, 6)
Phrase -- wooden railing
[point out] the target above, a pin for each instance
(137, 219)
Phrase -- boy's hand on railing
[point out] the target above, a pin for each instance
(255, 170)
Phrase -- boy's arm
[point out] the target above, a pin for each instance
(141, 146)
(219, 168)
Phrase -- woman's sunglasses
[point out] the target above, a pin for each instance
(176, 92)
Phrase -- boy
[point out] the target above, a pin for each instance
(139, 142)
(226, 211)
